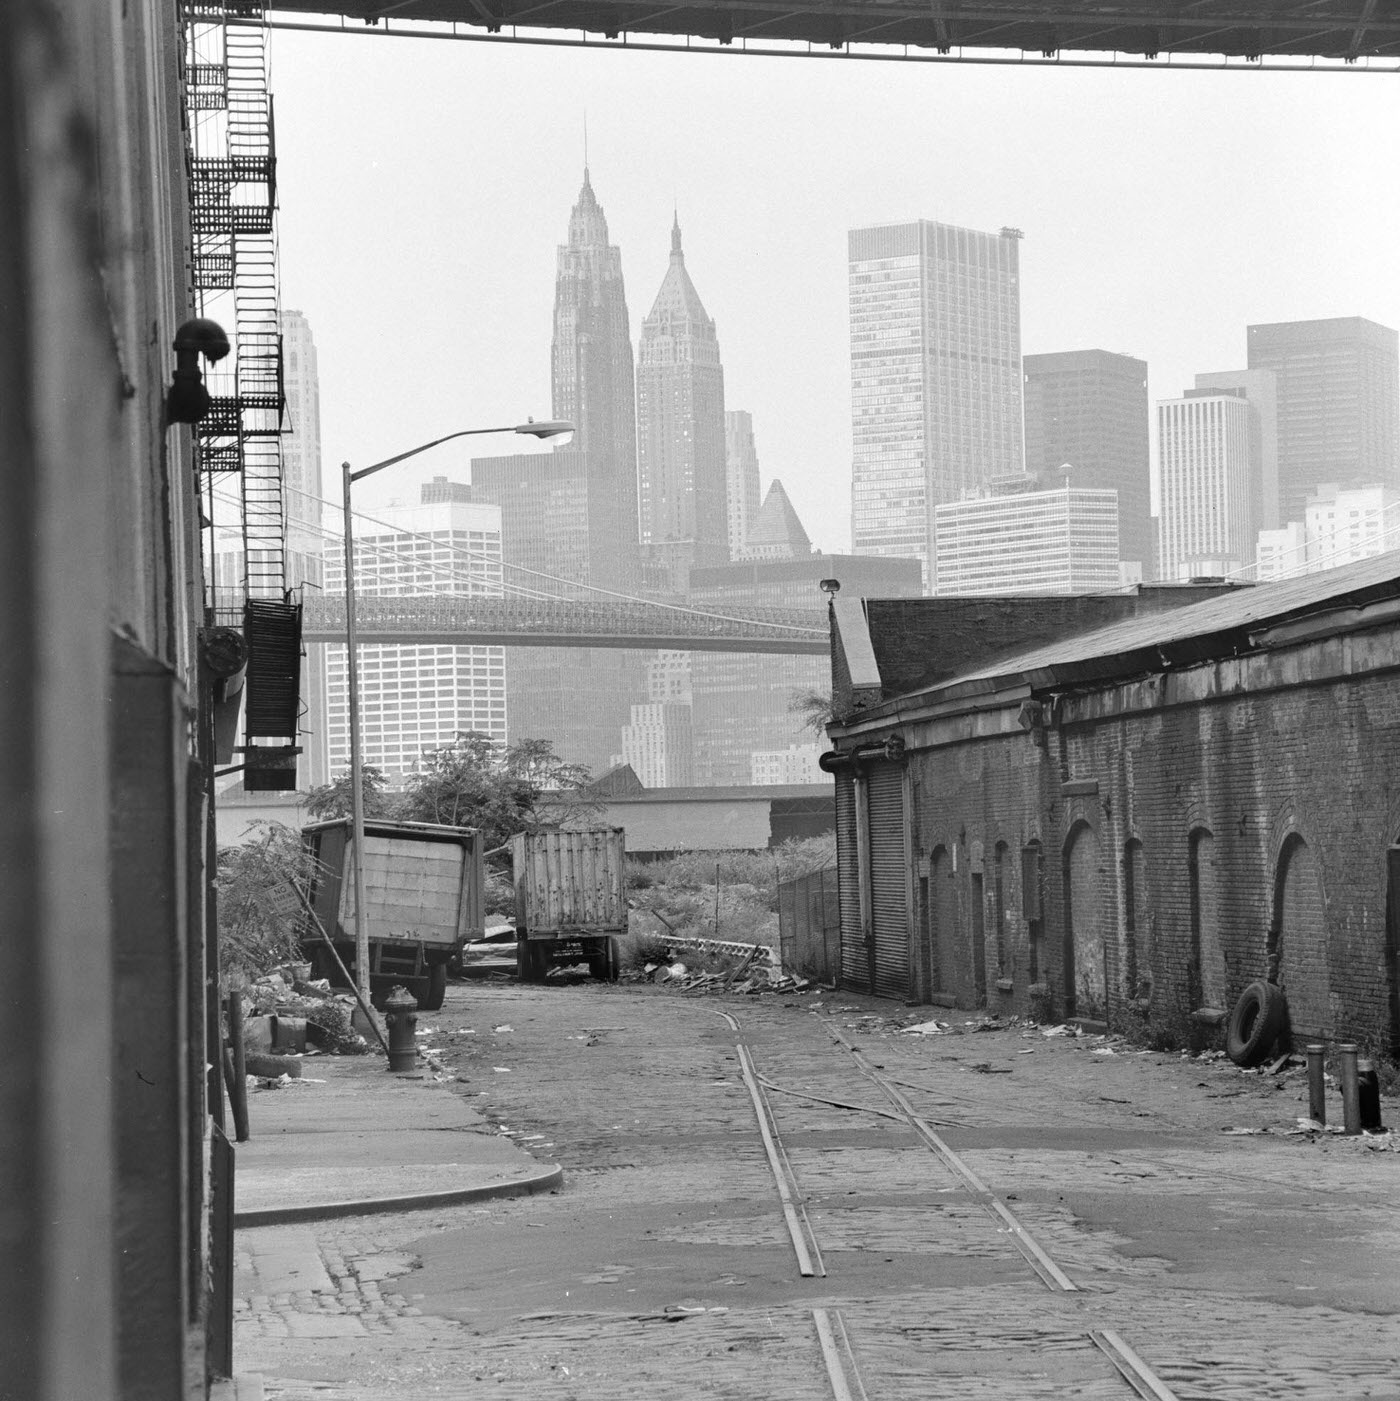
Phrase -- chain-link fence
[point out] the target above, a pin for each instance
(809, 925)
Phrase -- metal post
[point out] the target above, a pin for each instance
(1351, 1102)
(357, 797)
(1317, 1100)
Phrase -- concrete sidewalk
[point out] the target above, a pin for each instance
(351, 1138)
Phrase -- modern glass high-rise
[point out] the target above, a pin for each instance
(681, 471)
(1028, 542)
(416, 698)
(741, 476)
(935, 316)
(1207, 466)
(1088, 410)
(1338, 404)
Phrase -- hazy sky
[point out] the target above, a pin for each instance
(425, 185)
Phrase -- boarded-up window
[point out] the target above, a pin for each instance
(1304, 968)
(1086, 975)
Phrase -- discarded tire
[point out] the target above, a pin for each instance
(1257, 1022)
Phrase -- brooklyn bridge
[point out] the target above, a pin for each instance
(457, 620)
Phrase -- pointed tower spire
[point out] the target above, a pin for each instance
(676, 235)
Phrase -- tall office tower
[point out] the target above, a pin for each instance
(1028, 542)
(1338, 402)
(594, 387)
(740, 476)
(935, 376)
(302, 490)
(573, 513)
(657, 744)
(578, 698)
(776, 532)
(1206, 463)
(741, 703)
(1260, 390)
(415, 698)
(681, 468)
(1088, 410)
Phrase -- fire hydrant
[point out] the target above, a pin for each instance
(401, 1017)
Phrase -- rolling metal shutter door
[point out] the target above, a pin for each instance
(855, 962)
(889, 880)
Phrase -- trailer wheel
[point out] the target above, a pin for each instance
(603, 965)
(435, 989)
(530, 961)
(1259, 1019)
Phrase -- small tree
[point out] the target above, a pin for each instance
(336, 799)
(816, 709)
(258, 914)
(473, 782)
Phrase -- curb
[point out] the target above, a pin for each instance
(325, 1211)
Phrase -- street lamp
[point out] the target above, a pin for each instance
(555, 430)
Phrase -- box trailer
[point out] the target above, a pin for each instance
(570, 899)
(425, 889)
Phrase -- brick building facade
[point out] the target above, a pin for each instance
(1133, 823)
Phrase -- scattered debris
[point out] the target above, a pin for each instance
(986, 1068)
(933, 1028)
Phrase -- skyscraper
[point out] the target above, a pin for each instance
(935, 375)
(1260, 390)
(1206, 459)
(1338, 404)
(1088, 409)
(1028, 542)
(573, 513)
(594, 386)
(742, 703)
(741, 476)
(415, 698)
(681, 472)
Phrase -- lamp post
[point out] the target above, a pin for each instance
(554, 429)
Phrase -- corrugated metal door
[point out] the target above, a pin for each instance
(855, 962)
(889, 879)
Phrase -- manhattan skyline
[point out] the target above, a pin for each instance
(420, 184)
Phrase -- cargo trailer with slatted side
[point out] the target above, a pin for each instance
(570, 899)
(424, 899)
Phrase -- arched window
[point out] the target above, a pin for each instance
(1085, 967)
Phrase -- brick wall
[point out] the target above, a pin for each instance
(1190, 824)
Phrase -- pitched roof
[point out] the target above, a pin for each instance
(1219, 627)
(677, 299)
(776, 531)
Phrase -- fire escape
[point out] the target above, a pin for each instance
(232, 165)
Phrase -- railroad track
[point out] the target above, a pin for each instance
(832, 1326)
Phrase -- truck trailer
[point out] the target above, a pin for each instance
(570, 899)
(425, 891)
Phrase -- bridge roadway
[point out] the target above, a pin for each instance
(1165, 31)
(450, 619)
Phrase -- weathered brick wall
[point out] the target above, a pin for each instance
(1290, 788)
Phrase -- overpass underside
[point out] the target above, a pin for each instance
(1365, 32)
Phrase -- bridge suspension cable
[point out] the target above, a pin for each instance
(688, 610)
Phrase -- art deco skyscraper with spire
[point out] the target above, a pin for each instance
(572, 513)
(594, 387)
(680, 430)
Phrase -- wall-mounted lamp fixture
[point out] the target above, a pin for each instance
(187, 400)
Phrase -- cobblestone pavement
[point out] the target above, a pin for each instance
(1236, 1258)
